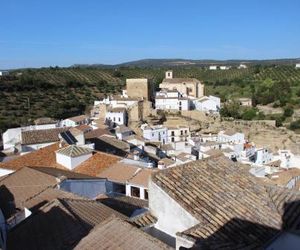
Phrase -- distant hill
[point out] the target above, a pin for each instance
(144, 63)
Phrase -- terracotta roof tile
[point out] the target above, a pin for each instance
(115, 233)
(97, 164)
(41, 135)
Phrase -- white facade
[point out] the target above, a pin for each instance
(157, 133)
(242, 66)
(12, 136)
(142, 190)
(116, 116)
(298, 66)
(263, 156)
(26, 148)
(171, 217)
(224, 67)
(288, 159)
(4, 171)
(237, 138)
(180, 133)
(71, 162)
(4, 73)
(73, 123)
(213, 67)
(171, 100)
(208, 104)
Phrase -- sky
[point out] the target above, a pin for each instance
(36, 33)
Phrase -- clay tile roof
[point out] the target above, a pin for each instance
(59, 224)
(41, 135)
(96, 133)
(123, 129)
(117, 110)
(20, 186)
(167, 161)
(167, 147)
(44, 120)
(282, 178)
(96, 164)
(78, 118)
(53, 227)
(229, 132)
(214, 152)
(180, 80)
(84, 128)
(74, 151)
(115, 233)
(115, 142)
(39, 158)
(144, 220)
(141, 178)
(215, 190)
(119, 172)
(58, 173)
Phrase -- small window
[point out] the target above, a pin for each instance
(114, 119)
(146, 194)
(172, 139)
(135, 192)
(185, 131)
(119, 119)
(181, 132)
(172, 133)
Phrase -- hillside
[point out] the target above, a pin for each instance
(62, 92)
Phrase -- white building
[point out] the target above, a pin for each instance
(178, 133)
(242, 66)
(171, 100)
(71, 156)
(123, 132)
(156, 133)
(4, 73)
(224, 67)
(263, 156)
(208, 104)
(75, 121)
(288, 159)
(213, 67)
(12, 137)
(298, 66)
(231, 137)
(116, 116)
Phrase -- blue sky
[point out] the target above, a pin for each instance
(38, 33)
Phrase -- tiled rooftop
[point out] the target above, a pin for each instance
(115, 233)
(216, 191)
(74, 151)
(41, 135)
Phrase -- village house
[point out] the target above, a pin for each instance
(178, 133)
(222, 67)
(246, 102)
(207, 104)
(242, 66)
(231, 136)
(75, 121)
(35, 139)
(297, 66)
(157, 133)
(12, 137)
(262, 156)
(176, 191)
(186, 86)
(213, 67)
(4, 72)
(116, 116)
(171, 100)
(122, 132)
(72, 156)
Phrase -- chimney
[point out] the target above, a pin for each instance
(161, 165)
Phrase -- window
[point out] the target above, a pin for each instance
(172, 133)
(119, 188)
(181, 132)
(135, 192)
(119, 119)
(185, 131)
(146, 194)
(172, 139)
(114, 119)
